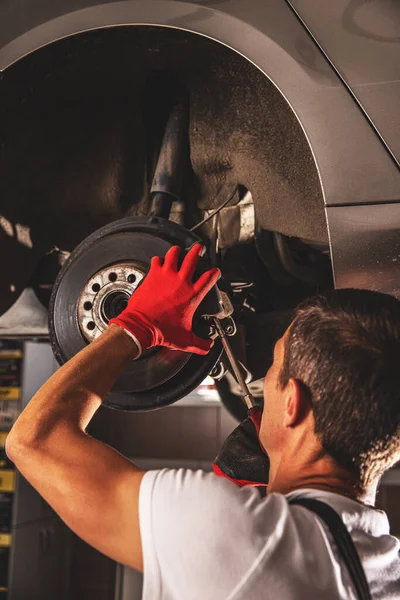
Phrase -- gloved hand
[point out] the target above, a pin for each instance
(160, 311)
(242, 458)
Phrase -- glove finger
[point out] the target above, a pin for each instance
(205, 282)
(155, 262)
(171, 258)
(199, 345)
(191, 261)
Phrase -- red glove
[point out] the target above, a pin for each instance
(160, 311)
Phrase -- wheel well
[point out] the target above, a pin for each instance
(74, 142)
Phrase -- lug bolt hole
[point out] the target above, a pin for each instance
(95, 287)
(131, 278)
(91, 325)
(87, 306)
(112, 277)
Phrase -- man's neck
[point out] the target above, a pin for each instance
(321, 474)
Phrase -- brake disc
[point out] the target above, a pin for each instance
(94, 286)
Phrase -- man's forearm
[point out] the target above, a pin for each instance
(72, 395)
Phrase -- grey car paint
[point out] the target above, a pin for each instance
(362, 40)
(355, 166)
(366, 246)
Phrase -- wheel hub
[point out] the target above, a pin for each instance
(105, 296)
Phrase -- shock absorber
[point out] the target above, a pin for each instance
(172, 160)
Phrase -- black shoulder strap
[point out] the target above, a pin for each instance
(344, 543)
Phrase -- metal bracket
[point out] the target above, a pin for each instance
(221, 331)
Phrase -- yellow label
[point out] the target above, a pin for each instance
(7, 481)
(5, 540)
(3, 437)
(10, 393)
(7, 354)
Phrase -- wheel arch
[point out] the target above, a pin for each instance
(275, 42)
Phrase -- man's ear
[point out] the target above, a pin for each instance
(296, 405)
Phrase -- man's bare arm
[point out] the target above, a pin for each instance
(92, 487)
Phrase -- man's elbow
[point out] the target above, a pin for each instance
(20, 444)
(30, 441)
(15, 448)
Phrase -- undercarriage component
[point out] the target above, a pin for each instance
(223, 333)
(172, 160)
(235, 223)
(231, 398)
(232, 402)
(261, 332)
(313, 274)
(108, 261)
(255, 387)
(290, 259)
(265, 245)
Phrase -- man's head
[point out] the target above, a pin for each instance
(337, 370)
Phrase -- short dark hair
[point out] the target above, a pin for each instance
(344, 348)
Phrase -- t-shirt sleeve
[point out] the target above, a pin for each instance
(200, 535)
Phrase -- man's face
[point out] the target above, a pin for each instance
(272, 430)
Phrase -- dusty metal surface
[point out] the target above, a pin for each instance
(236, 224)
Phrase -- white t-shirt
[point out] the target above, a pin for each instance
(205, 539)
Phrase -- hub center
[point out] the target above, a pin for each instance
(105, 296)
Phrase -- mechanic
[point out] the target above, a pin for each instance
(330, 427)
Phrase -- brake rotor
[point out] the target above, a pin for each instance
(94, 286)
